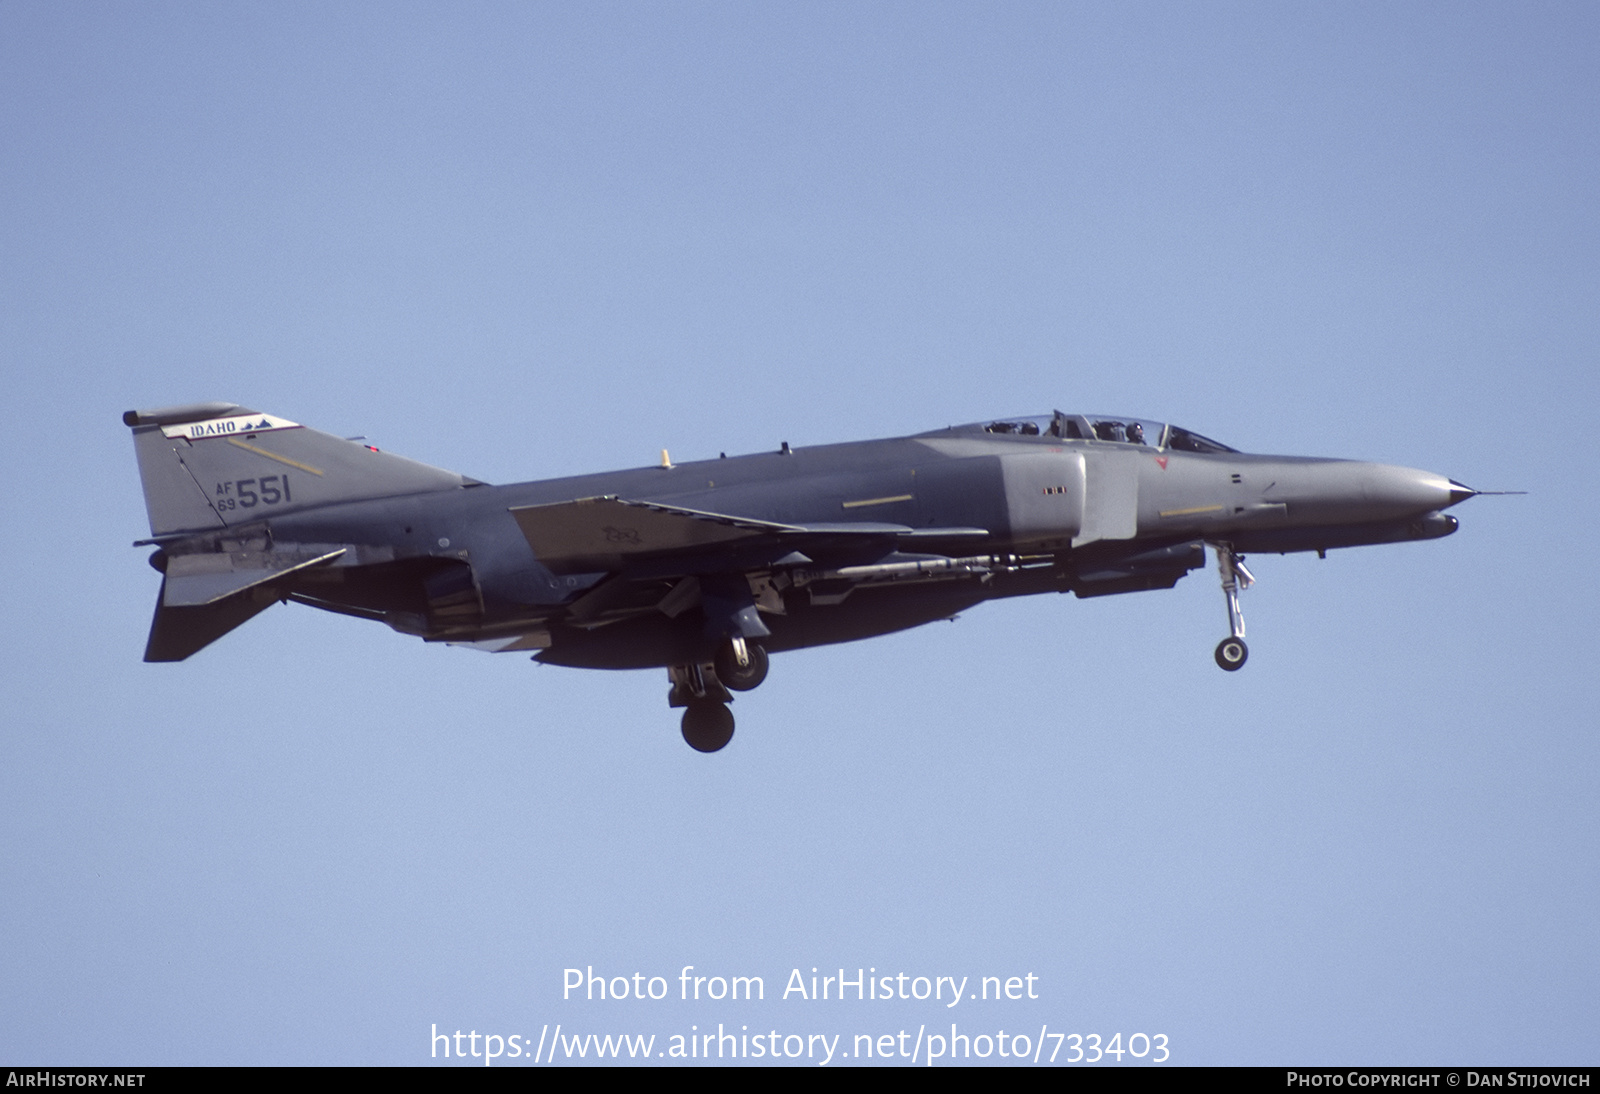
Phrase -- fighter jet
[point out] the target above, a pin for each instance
(705, 568)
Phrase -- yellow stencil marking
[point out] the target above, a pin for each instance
(877, 501)
(273, 456)
(1190, 512)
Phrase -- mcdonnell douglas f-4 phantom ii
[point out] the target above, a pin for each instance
(705, 568)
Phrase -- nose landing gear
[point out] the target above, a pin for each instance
(1231, 651)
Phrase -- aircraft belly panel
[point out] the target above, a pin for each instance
(657, 641)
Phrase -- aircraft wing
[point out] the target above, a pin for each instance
(611, 534)
(603, 533)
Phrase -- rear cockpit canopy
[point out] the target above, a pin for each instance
(1116, 428)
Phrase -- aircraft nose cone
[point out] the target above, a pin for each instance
(1338, 491)
(1402, 490)
(1459, 493)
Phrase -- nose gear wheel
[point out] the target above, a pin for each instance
(1232, 654)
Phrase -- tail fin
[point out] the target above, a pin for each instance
(211, 466)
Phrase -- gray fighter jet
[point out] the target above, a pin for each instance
(704, 568)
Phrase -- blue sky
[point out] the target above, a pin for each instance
(523, 241)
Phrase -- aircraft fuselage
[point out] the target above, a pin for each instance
(689, 566)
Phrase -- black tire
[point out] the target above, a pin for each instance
(1232, 653)
(735, 678)
(707, 725)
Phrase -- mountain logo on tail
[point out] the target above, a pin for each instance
(228, 427)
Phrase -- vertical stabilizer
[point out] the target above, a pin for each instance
(211, 466)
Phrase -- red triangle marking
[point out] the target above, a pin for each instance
(1162, 460)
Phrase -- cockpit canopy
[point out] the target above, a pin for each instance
(1117, 428)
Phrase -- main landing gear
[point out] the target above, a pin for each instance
(741, 664)
(707, 725)
(1231, 651)
(702, 690)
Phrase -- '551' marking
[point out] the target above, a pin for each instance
(249, 493)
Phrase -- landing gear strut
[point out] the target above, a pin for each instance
(1231, 651)
(702, 690)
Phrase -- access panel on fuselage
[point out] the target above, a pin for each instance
(1044, 493)
(1111, 501)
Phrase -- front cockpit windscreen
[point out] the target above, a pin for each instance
(1185, 441)
(1116, 428)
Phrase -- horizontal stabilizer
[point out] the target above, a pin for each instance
(204, 596)
(175, 633)
(195, 580)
